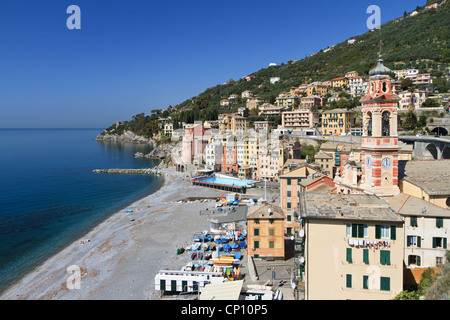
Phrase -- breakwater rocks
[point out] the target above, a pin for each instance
(129, 171)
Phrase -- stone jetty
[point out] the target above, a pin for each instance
(129, 171)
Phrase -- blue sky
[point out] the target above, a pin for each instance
(137, 55)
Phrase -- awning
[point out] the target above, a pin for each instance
(229, 290)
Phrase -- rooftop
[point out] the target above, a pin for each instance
(265, 211)
(432, 176)
(349, 207)
(237, 214)
(411, 206)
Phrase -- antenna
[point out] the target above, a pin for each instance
(381, 48)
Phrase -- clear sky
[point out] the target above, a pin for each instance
(133, 56)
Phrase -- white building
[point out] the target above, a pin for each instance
(358, 86)
(213, 155)
(416, 99)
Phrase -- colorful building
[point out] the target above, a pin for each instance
(337, 121)
(265, 232)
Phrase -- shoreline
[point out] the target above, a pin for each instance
(125, 251)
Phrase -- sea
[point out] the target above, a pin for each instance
(49, 196)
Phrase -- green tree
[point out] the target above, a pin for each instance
(409, 121)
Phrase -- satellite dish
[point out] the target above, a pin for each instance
(302, 260)
(302, 233)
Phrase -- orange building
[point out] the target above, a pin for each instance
(265, 231)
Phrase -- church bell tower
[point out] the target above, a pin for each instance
(380, 138)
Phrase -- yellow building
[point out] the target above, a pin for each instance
(337, 121)
(352, 248)
(326, 162)
(339, 82)
(265, 232)
(233, 123)
(317, 89)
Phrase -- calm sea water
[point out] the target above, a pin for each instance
(49, 196)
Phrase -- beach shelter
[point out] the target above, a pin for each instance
(229, 290)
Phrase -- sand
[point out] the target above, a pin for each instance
(124, 253)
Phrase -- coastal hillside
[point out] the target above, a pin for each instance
(418, 39)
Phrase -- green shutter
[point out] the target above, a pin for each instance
(365, 282)
(349, 281)
(419, 242)
(445, 243)
(354, 230)
(393, 233)
(360, 231)
(413, 221)
(408, 241)
(434, 242)
(349, 254)
(173, 285)
(289, 182)
(439, 222)
(385, 257)
(184, 286)
(418, 261)
(256, 244)
(162, 285)
(256, 232)
(377, 232)
(366, 255)
(385, 284)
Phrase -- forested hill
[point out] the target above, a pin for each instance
(412, 41)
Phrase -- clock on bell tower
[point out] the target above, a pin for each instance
(380, 138)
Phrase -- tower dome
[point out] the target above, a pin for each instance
(380, 68)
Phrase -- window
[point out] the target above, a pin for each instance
(271, 232)
(440, 243)
(289, 205)
(382, 232)
(289, 194)
(439, 222)
(385, 284)
(289, 182)
(366, 256)
(385, 257)
(256, 232)
(385, 125)
(271, 244)
(357, 230)
(414, 260)
(365, 282)
(412, 241)
(413, 221)
(349, 255)
(256, 244)
(349, 281)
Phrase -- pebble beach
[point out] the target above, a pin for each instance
(119, 258)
